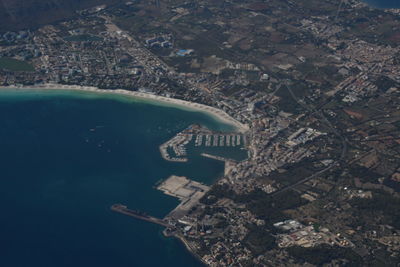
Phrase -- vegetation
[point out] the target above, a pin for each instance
(364, 173)
(33, 13)
(270, 208)
(217, 192)
(384, 83)
(383, 203)
(82, 38)
(325, 254)
(260, 239)
(15, 65)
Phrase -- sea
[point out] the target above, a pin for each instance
(66, 157)
(383, 3)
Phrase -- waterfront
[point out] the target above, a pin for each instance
(68, 157)
(122, 94)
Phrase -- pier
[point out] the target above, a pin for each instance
(187, 191)
(215, 140)
(216, 157)
(208, 140)
(138, 215)
(178, 145)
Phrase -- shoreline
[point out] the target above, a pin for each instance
(216, 113)
(190, 249)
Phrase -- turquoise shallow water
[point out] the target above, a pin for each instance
(66, 157)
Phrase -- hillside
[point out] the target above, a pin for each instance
(20, 14)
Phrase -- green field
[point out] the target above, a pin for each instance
(15, 65)
(83, 38)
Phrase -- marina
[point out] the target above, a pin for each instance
(178, 145)
(175, 149)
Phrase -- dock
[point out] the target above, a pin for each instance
(216, 157)
(139, 215)
(187, 191)
(175, 148)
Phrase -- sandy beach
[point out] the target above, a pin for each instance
(214, 112)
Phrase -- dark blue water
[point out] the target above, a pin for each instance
(65, 159)
(383, 3)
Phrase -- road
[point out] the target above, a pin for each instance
(325, 121)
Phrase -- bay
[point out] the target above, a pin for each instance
(67, 156)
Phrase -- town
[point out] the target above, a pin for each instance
(320, 95)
